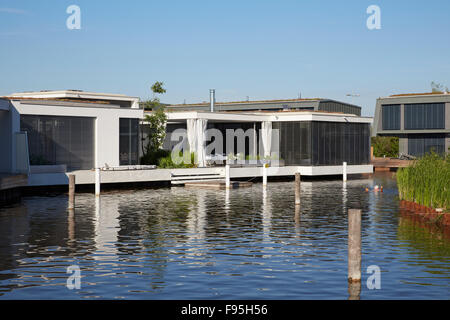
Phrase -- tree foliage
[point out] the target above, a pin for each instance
(385, 146)
(437, 87)
(155, 123)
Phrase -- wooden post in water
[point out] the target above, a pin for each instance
(354, 245)
(97, 182)
(71, 191)
(297, 188)
(227, 176)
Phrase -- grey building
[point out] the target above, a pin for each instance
(273, 105)
(420, 121)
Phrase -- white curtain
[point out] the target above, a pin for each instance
(201, 141)
(191, 125)
(266, 135)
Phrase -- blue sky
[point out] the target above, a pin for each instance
(260, 49)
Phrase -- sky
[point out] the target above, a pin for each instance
(256, 49)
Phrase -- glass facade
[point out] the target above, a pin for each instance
(391, 116)
(60, 140)
(129, 141)
(324, 143)
(424, 116)
(419, 144)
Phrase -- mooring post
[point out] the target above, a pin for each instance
(354, 245)
(344, 171)
(265, 166)
(227, 176)
(71, 191)
(297, 188)
(97, 182)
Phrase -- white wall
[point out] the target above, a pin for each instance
(106, 125)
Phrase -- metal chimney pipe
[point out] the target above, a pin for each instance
(212, 99)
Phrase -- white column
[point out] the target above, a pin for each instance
(266, 130)
(201, 137)
(344, 171)
(97, 182)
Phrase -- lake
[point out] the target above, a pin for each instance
(177, 243)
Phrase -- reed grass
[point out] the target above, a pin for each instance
(426, 181)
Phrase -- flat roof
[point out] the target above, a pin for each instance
(417, 94)
(248, 102)
(76, 96)
(56, 99)
(207, 103)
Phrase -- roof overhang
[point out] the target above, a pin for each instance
(269, 116)
(73, 94)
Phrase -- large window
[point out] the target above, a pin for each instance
(419, 144)
(425, 116)
(324, 143)
(60, 140)
(391, 116)
(129, 141)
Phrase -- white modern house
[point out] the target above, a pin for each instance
(312, 142)
(46, 134)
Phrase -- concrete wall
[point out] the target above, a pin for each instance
(106, 125)
(403, 145)
(87, 176)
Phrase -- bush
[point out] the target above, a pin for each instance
(152, 157)
(385, 146)
(163, 159)
(167, 162)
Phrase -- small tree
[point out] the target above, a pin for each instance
(156, 122)
(156, 130)
(437, 87)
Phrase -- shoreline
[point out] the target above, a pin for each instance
(426, 214)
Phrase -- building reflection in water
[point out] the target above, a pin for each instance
(196, 220)
(106, 228)
(266, 215)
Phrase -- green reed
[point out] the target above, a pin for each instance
(426, 181)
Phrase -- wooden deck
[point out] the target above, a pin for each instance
(386, 164)
(8, 181)
(218, 184)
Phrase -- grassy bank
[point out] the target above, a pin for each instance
(426, 182)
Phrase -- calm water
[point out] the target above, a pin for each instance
(205, 244)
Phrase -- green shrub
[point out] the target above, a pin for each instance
(163, 159)
(426, 181)
(167, 162)
(152, 157)
(385, 146)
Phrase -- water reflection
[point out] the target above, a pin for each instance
(266, 211)
(238, 244)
